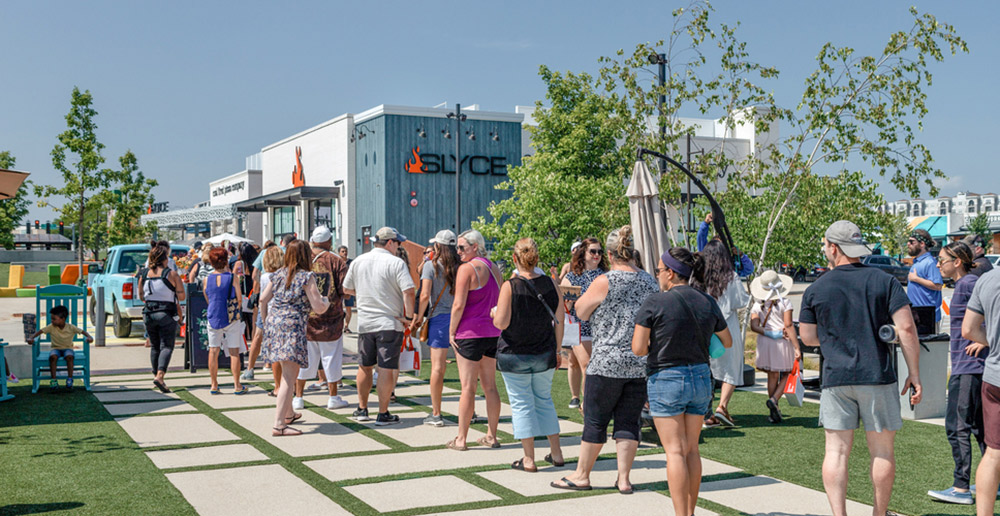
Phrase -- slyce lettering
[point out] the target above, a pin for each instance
(427, 163)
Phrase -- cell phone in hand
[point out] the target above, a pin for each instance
(913, 392)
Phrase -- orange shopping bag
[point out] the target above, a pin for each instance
(794, 390)
(409, 354)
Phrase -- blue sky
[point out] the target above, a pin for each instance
(194, 87)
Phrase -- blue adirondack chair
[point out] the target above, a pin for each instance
(3, 373)
(75, 300)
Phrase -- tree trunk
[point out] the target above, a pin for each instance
(80, 246)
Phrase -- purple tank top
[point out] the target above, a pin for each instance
(476, 322)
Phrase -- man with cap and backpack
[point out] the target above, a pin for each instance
(384, 292)
(842, 312)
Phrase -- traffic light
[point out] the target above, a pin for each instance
(60, 227)
(37, 225)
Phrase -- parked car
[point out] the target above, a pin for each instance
(117, 276)
(888, 264)
(800, 273)
(994, 259)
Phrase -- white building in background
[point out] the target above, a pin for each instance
(946, 216)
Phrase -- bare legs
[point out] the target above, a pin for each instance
(582, 355)
(528, 444)
(258, 338)
(679, 435)
(386, 385)
(213, 366)
(69, 366)
(283, 413)
(439, 362)
(775, 385)
(987, 481)
(883, 468)
(471, 373)
(575, 375)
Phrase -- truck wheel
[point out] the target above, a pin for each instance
(93, 314)
(123, 325)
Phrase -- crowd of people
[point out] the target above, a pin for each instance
(635, 342)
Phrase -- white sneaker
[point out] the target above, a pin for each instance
(316, 386)
(267, 369)
(336, 402)
(297, 403)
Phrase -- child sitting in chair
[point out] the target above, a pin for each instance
(61, 334)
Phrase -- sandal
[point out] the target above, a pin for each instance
(161, 386)
(630, 490)
(215, 391)
(548, 458)
(242, 391)
(566, 484)
(295, 417)
(272, 394)
(453, 445)
(489, 443)
(519, 465)
(285, 431)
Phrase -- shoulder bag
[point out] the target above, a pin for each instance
(425, 329)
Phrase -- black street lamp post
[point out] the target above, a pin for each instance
(459, 118)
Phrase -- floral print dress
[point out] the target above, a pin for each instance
(285, 327)
(583, 281)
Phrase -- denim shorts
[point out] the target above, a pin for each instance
(437, 331)
(680, 390)
(61, 353)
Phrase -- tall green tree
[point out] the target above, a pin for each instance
(78, 157)
(980, 225)
(13, 210)
(128, 202)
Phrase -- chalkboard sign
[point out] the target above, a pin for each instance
(196, 331)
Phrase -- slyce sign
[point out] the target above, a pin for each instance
(427, 163)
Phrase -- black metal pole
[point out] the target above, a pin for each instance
(690, 217)
(458, 168)
(663, 103)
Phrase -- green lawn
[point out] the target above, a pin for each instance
(30, 278)
(62, 451)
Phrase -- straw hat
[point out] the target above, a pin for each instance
(770, 285)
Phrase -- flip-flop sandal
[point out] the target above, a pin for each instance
(295, 417)
(272, 394)
(628, 491)
(242, 391)
(548, 458)
(519, 465)
(485, 441)
(569, 485)
(285, 431)
(215, 391)
(161, 386)
(453, 445)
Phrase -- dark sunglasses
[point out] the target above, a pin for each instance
(461, 248)
(595, 251)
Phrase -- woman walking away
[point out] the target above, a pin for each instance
(243, 271)
(472, 334)
(225, 330)
(674, 328)
(285, 303)
(437, 278)
(160, 289)
(615, 387)
(777, 343)
(530, 315)
(964, 415)
(272, 261)
(587, 264)
(723, 284)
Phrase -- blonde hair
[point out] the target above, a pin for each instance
(620, 244)
(526, 252)
(205, 249)
(474, 237)
(274, 259)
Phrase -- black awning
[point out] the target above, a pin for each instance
(290, 197)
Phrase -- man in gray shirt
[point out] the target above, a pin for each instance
(984, 306)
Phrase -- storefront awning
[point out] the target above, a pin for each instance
(937, 226)
(290, 197)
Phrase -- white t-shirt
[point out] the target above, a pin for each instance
(776, 317)
(379, 279)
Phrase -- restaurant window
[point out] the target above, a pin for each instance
(321, 214)
(283, 222)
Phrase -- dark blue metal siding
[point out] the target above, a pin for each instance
(369, 187)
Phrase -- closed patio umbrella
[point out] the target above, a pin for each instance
(10, 181)
(649, 229)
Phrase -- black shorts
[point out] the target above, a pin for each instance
(380, 347)
(476, 349)
(607, 398)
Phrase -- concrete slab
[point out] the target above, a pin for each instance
(174, 429)
(180, 380)
(320, 436)
(565, 427)
(767, 496)
(420, 389)
(412, 432)
(319, 398)
(204, 456)
(645, 470)
(150, 407)
(449, 405)
(349, 468)
(256, 397)
(275, 491)
(419, 492)
(115, 378)
(647, 502)
(131, 395)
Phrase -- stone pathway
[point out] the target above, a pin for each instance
(340, 466)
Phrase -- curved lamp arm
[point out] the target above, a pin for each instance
(718, 217)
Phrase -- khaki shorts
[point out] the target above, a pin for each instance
(877, 406)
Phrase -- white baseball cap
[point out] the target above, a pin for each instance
(387, 233)
(321, 234)
(444, 237)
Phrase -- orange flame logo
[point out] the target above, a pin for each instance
(298, 178)
(415, 165)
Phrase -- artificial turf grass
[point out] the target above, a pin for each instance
(63, 451)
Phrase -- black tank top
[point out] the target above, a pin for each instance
(530, 331)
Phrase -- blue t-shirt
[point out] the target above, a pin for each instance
(848, 305)
(926, 267)
(960, 362)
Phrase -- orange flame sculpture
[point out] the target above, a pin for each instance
(298, 178)
(415, 165)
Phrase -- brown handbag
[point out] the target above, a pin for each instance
(425, 328)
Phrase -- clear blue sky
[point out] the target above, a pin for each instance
(194, 87)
